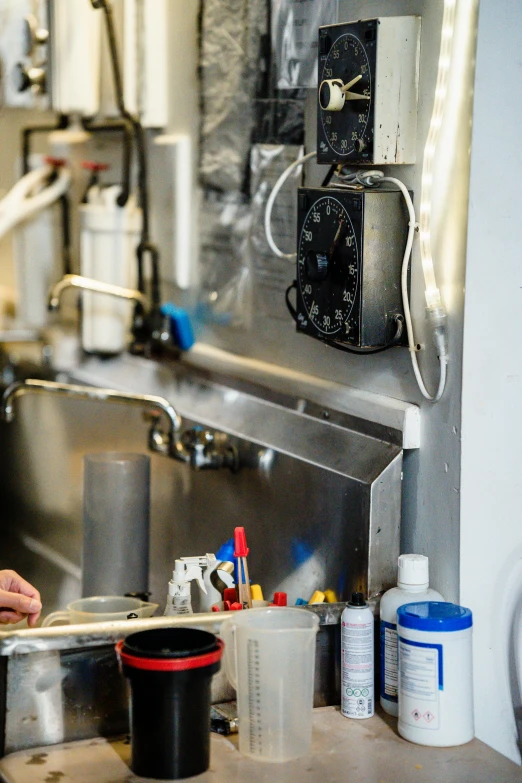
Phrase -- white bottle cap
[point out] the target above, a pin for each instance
(413, 570)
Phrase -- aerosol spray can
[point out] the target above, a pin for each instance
(357, 659)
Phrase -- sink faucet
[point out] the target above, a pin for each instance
(89, 284)
(208, 450)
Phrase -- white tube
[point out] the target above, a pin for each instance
(271, 200)
(17, 206)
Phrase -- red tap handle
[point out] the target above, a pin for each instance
(92, 165)
(56, 162)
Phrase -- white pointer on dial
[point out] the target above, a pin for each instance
(354, 96)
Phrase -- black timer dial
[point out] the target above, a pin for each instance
(350, 246)
(328, 263)
(347, 57)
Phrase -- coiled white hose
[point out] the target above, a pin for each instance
(19, 205)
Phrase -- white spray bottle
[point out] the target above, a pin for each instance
(185, 570)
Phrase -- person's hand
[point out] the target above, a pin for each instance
(18, 599)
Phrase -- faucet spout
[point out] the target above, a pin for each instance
(89, 284)
(169, 440)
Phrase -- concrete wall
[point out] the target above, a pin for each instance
(491, 463)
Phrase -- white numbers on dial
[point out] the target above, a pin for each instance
(328, 233)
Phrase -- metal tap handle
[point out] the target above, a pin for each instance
(207, 449)
(89, 284)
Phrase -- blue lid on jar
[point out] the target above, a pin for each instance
(434, 616)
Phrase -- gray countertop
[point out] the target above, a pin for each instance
(343, 751)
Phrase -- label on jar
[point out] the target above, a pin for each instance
(357, 696)
(421, 680)
(389, 661)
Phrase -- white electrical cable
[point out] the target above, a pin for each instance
(371, 179)
(412, 345)
(18, 205)
(271, 200)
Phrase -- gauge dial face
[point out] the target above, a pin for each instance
(346, 130)
(328, 270)
(349, 52)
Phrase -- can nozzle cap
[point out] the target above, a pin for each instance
(357, 600)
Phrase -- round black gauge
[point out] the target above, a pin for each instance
(328, 268)
(347, 131)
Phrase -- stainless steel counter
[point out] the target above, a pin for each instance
(343, 751)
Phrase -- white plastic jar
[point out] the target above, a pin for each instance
(435, 673)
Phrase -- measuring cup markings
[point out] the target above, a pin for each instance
(254, 697)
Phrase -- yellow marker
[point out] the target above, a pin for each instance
(317, 598)
(257, 593)
(330, 596)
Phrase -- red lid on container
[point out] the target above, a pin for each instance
(170, 664)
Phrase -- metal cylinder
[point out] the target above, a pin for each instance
(116, 514)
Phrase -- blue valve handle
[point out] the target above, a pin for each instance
(180, 327)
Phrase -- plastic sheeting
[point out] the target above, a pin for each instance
(294, 39)
(242, 280)
(272, 275)
(230, 55)
(226, 288)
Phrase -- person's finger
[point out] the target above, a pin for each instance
(20, 603)
(14, 583)
(6, 616)
(32, 619)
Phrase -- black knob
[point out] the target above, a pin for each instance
(324, 95)
(325, 42)
(360, 145)
(20, 78)
(24, 77)
(316, 265)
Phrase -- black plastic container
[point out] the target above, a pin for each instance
(170, 672)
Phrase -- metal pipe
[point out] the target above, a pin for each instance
(66, 637)
(31, 386)
(89, 284)
(125, 127)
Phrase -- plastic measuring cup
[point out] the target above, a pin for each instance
(100, 608)
(269, 659)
